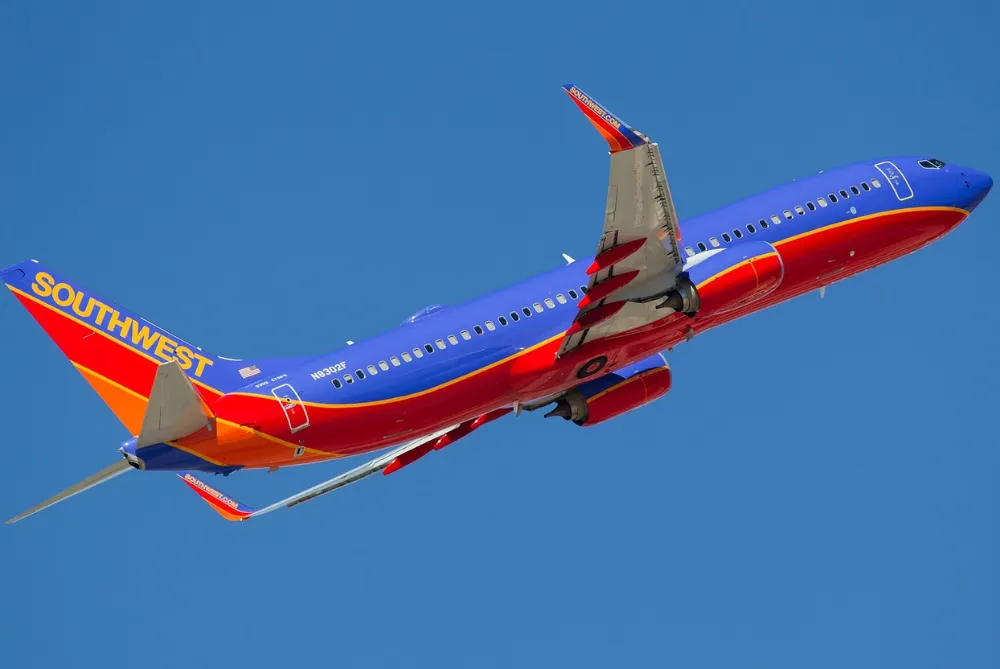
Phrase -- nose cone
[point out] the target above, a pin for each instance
(973, 186)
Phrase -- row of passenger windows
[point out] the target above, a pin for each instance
(776, 220)
(419, 352)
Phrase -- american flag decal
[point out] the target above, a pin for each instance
(250, 370)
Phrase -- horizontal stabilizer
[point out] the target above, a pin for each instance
(105, 474)
(175, 408)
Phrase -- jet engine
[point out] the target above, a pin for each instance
(727, 279)
(615, 393)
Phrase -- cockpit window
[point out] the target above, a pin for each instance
(931, 164)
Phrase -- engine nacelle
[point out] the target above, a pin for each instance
(615, 393)
(735, 277)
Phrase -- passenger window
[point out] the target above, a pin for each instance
(440, 344)
(429, 348)
(583, 289)
(372, 371)
(821, 201)
(865, 186)
(549, 303)
(337, 383)
(688, 250)
(560, 299)
(514, 317)
(833, 198)
(490, 326)
(478, 330)
(876, 183)
(502, 321)
(854, 189)
(572, 293)
(395, 361)
(526, 311)
(452, 339)
(407, 357)
(810, 206)
(844, 194)
(800, 211)
(702, 247)
(465, 335)
(359, 374)
(383, 365)
(739, 235)
(726, 238)
(713, 241)
(762, 223)
(416, 352)
(348, 378)
(787, 214)
(775, 219)
(751, 229)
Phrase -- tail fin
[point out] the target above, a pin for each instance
(117, 352)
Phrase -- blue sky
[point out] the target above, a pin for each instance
(819, 488)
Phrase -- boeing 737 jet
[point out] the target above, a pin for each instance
(583, 340)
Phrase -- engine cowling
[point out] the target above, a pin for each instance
(615, 393)
(735, 277)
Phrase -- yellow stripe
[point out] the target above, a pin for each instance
(734, 268)
(421, 392)
(831, 227)
(264, 435)
(866, 218)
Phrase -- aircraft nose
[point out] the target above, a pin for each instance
(974, 187)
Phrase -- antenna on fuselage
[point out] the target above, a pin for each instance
(569, 260)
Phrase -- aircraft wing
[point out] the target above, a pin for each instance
(638, 256)
(388, 462)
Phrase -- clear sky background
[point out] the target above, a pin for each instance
(820, 488)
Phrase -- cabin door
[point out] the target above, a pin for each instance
(291, 404)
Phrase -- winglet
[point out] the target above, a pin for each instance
(225, 506)
(619, 135)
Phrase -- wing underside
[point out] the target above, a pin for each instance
(387, 463)
(638, 256)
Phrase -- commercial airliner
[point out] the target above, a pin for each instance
(584, 340)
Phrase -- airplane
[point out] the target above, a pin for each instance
(586, 339)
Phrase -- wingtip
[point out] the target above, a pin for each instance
(617, 133)
(224, 505)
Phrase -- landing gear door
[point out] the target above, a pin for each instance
(291, 404)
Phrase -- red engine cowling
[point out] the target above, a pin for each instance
(615, 393)
(735, 277)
